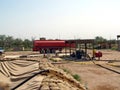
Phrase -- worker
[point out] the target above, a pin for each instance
(94, 52)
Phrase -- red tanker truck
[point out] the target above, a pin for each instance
(44, 46)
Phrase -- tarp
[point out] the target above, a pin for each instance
(32, 75)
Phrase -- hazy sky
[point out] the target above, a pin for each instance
(64, 19)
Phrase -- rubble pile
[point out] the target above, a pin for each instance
(29, 75)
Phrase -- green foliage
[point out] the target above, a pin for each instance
(17, 42)
(2, 39)
(27, 43)
(9, 43)
(52, 59)
(77, 77)
(114, 48)
(66, 70)
(100, 39)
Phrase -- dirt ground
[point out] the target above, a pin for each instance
(92, 76)
(95, 77)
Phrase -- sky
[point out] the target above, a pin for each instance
(60, 19)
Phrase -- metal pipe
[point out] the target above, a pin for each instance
(29, 79)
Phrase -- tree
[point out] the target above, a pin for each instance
(9, 42)
(2, 40)
(100, 39)
(17, 42)
(27, 43)
(100, 42)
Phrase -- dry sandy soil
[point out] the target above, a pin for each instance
(29, 71)
(92, 76)
(95, 77)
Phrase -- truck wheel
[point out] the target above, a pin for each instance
(40, 52)
(53, 51)
(48, 51)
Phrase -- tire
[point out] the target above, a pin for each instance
(42, 51)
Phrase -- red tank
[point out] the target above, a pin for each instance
(50, 45)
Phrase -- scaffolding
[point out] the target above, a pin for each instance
(81, 44)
